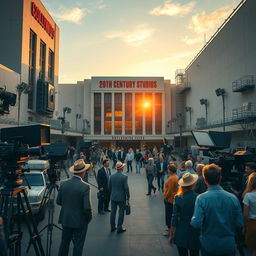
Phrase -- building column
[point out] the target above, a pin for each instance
(123, 114)
(133, 114)
(92, 114)
(113, 114)
(153, 114)
(102, 113)
(163, 114)
(143, 116)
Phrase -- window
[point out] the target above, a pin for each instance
(42, 60)
(33, 180)
(51, 66)
(118, 113)
(128, 113)
(107, 113)
(32, 66)
(138, 113)
(158, 113)
(148, 112)
(97, 113)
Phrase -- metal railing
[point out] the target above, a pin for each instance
(244, 83)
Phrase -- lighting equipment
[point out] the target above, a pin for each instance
(221, 92)
(7, 99)
(189, 109)
(205, 102)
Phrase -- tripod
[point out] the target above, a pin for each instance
(7, 210)
(49, 199)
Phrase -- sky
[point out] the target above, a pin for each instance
(133, 37)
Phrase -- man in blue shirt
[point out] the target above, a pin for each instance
(218, 214)
(188, 168)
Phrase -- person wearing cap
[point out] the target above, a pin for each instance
(182, 233)
(151, 173)
(218, 214)
(119, 196)
(76, 211)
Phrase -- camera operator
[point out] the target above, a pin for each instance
(76, 211)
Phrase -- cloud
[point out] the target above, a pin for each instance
(134, 37)
(102, 6)
(171, 8)
(190, 41)
(74, 15)
(202, 22)
(175, 58)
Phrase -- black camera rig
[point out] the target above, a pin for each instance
(7, 99)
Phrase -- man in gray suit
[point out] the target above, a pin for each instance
(76, 212)
(119, 196)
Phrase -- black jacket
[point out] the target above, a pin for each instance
(102, 179)
(121, 158)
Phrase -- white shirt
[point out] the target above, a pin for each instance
(250, 200)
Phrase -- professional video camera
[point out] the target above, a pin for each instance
(7, 99)
(19, 143)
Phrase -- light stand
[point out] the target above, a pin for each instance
(189, 109)
(205, 102)
(221, 92)
(78, 116)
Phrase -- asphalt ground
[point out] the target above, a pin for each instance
(145, 227)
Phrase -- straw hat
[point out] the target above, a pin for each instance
(188, 179)
(79, 166)
(119, 165)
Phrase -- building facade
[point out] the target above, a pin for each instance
(128, 111)
(218, 87)
(29, 56)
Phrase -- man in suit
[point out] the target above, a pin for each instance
(103, 177)
(119, 195)
(161, 167)
(121, 155)
(76, 211)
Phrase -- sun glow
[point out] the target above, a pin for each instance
(146, 104)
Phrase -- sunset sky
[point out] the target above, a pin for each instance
(133, 37)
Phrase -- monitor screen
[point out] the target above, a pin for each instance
(203, 139)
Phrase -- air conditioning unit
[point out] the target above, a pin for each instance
(45, 103)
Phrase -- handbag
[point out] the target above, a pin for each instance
(127, 209)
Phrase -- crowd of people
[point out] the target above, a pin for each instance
(200, 216)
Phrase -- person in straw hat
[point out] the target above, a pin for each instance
(119, 196)
(76, 211)
(182, 233)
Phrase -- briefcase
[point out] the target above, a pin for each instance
(100, 195)
(127, 209)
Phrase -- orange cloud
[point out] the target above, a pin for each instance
(173, 9)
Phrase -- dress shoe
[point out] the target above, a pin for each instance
(107, 210)
(121, 230)
(148, 194)
(113, 229)
(101, 213)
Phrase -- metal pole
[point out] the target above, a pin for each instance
(206, 113)
(190, 120)
(223, 101)
(19, 96)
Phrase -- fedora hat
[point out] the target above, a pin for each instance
(188, 179)
(79, 166)
(119, 165)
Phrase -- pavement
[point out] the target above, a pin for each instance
(145, 227)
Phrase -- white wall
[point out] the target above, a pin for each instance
(228, 57)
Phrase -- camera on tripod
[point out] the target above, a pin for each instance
(7, 99)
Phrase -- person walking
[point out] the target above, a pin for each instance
(129, 160)
(249, 202)
(120, 196)
(170, 190)
(218, 214)
(121, 155)
(161, 167)
(76, 212)
(138, 159)
(114, 158)
(182, 233)
(103, 177)
(151, 173)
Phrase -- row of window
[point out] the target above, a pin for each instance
(143, 105)
(42, 64)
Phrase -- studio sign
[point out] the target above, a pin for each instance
(128, 84)
(46, 25)
(127, 137)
